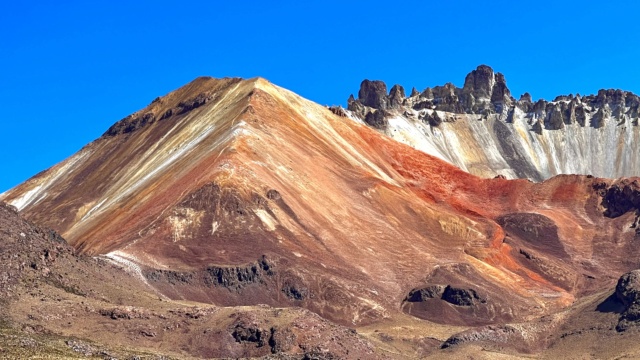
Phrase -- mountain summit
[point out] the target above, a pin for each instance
(237, 192)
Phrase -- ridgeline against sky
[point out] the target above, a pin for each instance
(70, 70)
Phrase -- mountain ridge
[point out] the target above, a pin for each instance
(482, 129)
(484, 92)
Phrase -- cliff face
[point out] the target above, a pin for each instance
(482, 129)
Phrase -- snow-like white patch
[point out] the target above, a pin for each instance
(38, 192)
(26, 198)
(373, 307)
(128, 263)
(266, 218)
(353, 117)
(93, 209)
(125, 262)
(180, 152)
(408, 132)
(476, 145)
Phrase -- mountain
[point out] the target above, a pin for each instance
(238, 194)
(482, 129)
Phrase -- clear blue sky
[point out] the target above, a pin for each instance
(70, 69)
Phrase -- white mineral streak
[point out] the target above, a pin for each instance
(481, 146)
(40, 185)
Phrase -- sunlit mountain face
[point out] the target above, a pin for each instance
(429, 225)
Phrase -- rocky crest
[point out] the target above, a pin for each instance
(165, 107)
(485, 93)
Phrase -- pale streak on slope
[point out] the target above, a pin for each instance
(97, 206)
(321, 127)
(162, 154)
(415, 135)
(474, 145)
(39, 190)
(129, 264)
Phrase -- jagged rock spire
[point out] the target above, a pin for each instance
(373, 94)
(396, 96)
(480, 82)
(485, 92)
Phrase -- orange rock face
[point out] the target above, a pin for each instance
(239, 192)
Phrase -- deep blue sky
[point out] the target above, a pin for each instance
(68, 71)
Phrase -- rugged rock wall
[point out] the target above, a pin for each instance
(482, 129)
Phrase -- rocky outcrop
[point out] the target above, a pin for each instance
(479, 83)
(295, 292)
(377, 119)
(247, 333)
(233, 278)
(619, 197)
(338, 110)
(493, 334)
(278, 340)
(628, 288)
(485, 92)
(452, 295)
(462, 297)
(305, 337)
(628, 292)
(396, 96)
(374, 94)
(130, 124)
(137, 121)
(422, 294)
(236, 277)
(457, 295)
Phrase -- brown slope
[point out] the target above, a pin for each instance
(260, 196)
(57, 304)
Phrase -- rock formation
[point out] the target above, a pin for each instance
(628, 292)
(491, 133)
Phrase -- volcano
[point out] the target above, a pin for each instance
(238, 194)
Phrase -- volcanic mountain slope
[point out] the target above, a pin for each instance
(237, 192)
(482, 129)
(57, 304)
